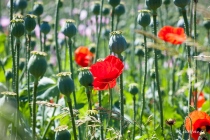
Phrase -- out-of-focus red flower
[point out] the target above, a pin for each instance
(83, 56)
(106, 72)
(172, 35)
(200, 99)
(200, 122)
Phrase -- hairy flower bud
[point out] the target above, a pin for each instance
(96, 8)
(133, 88)
(119, 10)
(38, 8)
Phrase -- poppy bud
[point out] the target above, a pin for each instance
(133, 88)
(62, 133)
(119, 10)
(30, 22)
(65, 83)
(114, 3)
(38, 8)
(117, 42)
(45, 27)
(92, 48)
(85, 76)
(170, 122)
(206, 23)
(105, 11)
(8, 75)
(17, 27)
(139, 52)
(96, 8)
(8, 103)
(143, 18)
(166, 2)
(37, 64)
(60, 3)
(181, 3)
(21, 4)
(69, 29)
(153, 4)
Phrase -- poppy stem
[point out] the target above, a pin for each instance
(56, 36)
(144, 80)
(121, 101)
(72, 117)
(88, 92)
(157, 74)
(34, 108)
(184, 14)
(40, 34)
(113, 12)
(100, 116)
(134, 116)
(171, 129)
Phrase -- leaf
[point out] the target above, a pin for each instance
(50, 92)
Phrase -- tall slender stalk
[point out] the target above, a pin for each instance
(144, 81)
(184, 14)
(156, 72)
(134, 116)
(100, 116)
(72, 117)
(56, 36)
(88, 92)
(34, 108)
(113, 12)
(171, 129)
(40, 34)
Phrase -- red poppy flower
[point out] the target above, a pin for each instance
(201, 99)
(106, 72)
(83, 56)
(200, 122)
(172, 35)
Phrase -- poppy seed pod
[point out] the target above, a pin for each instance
(153, 4)
(133, 88)
(106, 11)
(206, 23)
(96, 8)
(69, 29)
(119, 10)
(21, 4)
(114, 3)
(139, 52)
(85, 77)
(8, 75)
(38, 8)
(117, 42)
(30, 22)
(17, 27)
(181, 3)
(45, 27)
(65, 83)
(166, 2)
(37, 64)
(143, 18)
(62, 133)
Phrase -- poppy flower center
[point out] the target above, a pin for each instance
(203, 128)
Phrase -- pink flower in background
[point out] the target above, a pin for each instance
(83, 15)
(81, 29)
(4, 22)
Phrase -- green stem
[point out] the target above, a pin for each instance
(34, 108)
(196, 52)
(157, 74)
(121, 101)
(184, 14)
(72, 7)
(113, 12)
(56, 36)
(172, 135)
(44, 43)
(72, 117)
(40, 34)
(88, 97)
(97, 41)
(118, 20)
(134, 116)
(144, 81)
(100, 116)
(154, 107)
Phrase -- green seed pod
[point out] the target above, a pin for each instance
(62, 133)
(206, 23)
(17, 27)
(60, 4)
(37, 64)
(119, 10)
(133, 88)
(139, 52)
(153, 4)
(8, 103)
(30, 22)
(65, 83)
(181, 3)
(21, 4)
(69, 29)
(166, 2)
(117, 42)
(114, 3)
(96, 8)
(45, 27)
(8, 75)
(85, 77)
(105, 10)
(143, 18)
(38, 8)
(22, 63)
